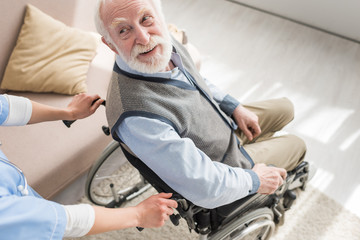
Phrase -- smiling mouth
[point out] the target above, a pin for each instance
(144, 53)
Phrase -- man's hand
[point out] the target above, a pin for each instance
(83, 105)
(247, 121)
(271, 178)
(154, 211)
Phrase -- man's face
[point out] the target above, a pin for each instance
(139, 34)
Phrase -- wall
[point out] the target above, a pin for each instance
(12, 19)
(339, 17)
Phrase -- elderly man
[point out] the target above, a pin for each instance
(204, 144)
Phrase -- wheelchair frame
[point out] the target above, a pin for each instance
(239, 220)
(254, 214)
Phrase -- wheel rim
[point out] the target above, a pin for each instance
(256, 225)
(115, 169)
(259, 231)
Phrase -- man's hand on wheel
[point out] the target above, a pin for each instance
(271, 178)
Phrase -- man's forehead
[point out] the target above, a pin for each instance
(119, 11)
(122, 20)
(127, 4)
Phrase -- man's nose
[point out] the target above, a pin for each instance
(142, 36)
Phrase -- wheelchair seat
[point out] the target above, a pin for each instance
(252, 217)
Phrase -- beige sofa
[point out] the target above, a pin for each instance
(51, 155)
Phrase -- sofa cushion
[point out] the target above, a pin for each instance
(49, 56)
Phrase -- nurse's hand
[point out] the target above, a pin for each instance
(83, 105)
(150, 213)
(154, 211)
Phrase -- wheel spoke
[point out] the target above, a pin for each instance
(112, 169)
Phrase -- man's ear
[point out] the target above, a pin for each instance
(110, 45)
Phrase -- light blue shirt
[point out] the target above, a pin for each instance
(4, 109)
(23, 213)
(177, 161)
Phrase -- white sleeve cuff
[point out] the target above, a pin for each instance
(20, 110)
(80, 219)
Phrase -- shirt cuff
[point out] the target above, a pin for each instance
(228, 104)
(255, 181)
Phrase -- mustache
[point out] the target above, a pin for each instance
(139, 49)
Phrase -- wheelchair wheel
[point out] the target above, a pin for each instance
(113, 177)
(255, 225)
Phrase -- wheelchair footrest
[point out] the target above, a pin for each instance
(301, 176)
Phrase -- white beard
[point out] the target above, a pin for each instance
(156, 63)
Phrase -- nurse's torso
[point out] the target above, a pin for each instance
(12, 179)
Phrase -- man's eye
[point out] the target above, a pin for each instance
(147, 20)
(123, 31)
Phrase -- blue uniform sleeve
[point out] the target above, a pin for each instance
(184, 167)
(30, 217)
(4, 109)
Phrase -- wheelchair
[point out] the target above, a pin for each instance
(112, 182)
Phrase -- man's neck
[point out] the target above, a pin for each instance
(170, 66)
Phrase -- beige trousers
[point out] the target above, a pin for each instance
(285, 151)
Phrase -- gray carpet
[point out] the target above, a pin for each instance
(313, 216)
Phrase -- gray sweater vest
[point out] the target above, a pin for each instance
(190, 110)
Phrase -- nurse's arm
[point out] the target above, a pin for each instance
(152, 212)
(81, 106)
